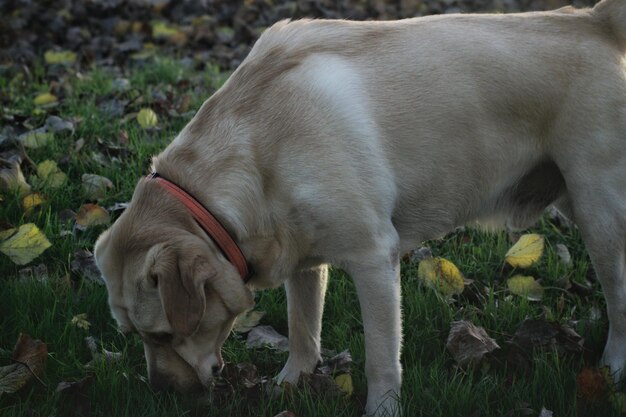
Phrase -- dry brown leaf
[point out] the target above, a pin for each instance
(338, 364)
(468, 343)
(544, 335)
(30, 358)
(84, 265)
(592, 384)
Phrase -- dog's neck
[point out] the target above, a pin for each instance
(232, 189)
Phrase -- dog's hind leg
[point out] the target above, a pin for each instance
(597, 189)
(305, 305)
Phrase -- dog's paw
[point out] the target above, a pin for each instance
(293, 368)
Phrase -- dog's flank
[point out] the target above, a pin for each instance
(348, 143)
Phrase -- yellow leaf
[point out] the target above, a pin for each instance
(160, 30)
(50, 173)
(36, 139)
(525, 286)
(25, 245)
(91, 215)
(80, 321)
(441, 274)
(147, 118)
(44, 99)
(59, 57)
(526, 251)
(31, 201)
(344, 381)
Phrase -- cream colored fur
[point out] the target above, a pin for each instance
(348, 143)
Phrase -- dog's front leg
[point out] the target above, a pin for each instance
(377, 280)
(305, 305)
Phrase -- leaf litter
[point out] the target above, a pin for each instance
(468, 343)
(29, 357)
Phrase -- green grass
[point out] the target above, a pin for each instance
(432, 386)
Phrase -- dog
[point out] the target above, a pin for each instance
(349, 143)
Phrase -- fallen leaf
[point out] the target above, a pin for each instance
(525, 286)
(11, 177)
(419, 254)
(526, 252)
(559, 219)
(84, 265)
(45, 99)
(147, 118)
(338, 364)
(246, 321)
(262, 336)
(442, 275)
(117, 208)
(25, 245)
(32, 200)
(91, 215)
(319, 385)
(563, 253)
(592, 385)
(59, 57)
(30, 360)
(161, 30)
(80, 321)
(96, 186)
(543, 335)
(545, 412)
(73, 385)
(286, 413)
(37, 273)
(100, 355)
(468, 343)
(55, 124)
(50, 174)
(36, 139)
(344, 382)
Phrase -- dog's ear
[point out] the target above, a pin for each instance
(180, 272)
(230, 288)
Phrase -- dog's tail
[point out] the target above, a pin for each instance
(612, 13)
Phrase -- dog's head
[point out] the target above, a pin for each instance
(168, 282)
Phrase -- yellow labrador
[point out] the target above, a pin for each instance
(348, 143)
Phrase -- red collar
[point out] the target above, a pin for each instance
(209, 224)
